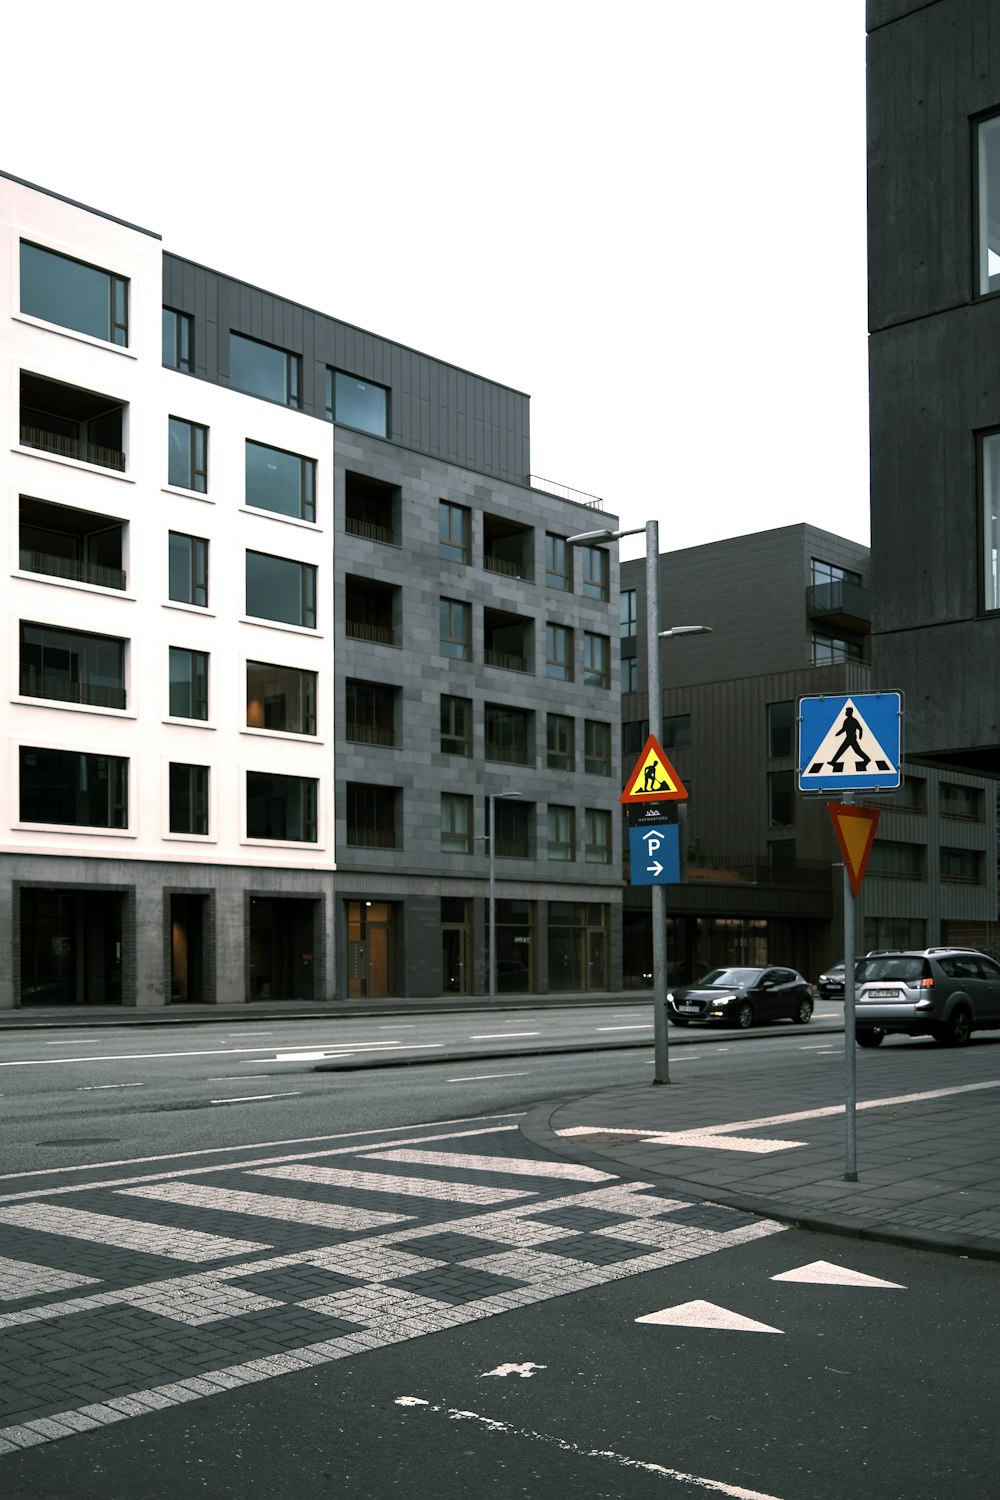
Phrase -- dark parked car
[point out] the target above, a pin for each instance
(741, 996)
(831, 982)
(946, 993)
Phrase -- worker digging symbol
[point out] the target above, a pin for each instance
(649, 781)
(852, 732)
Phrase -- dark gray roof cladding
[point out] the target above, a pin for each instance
(73, 203)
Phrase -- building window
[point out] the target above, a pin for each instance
(893, 860)
(828, 650)
(282, 482)
(989, 206)
(559, 652)
(962, 866)
(826, 572)
(558, 563)
(894, 932)
(560, 743)
(371, 816)
(675, 732)
(282, 698)
(456, 823)
(178, 341)
(454, 531)
(264, 370)
(456, 725)
(72, 666)
(188, 799)
(511, 828)
(73, 788)
(990, 504)
(188, 569)
(961, 801)
(371, 713)
(780, 729)
(780, 799)
(628, 613)
(62, 542)
(73, 294)
(456, 629)
(598, 836)
(596, 572)
(508, 735)
(187, 455)
(630, 674)
(596, 747)
(596, 660)
(562, 832)
(188, 683)
(278, 588)
(282, 807)
(357, 403)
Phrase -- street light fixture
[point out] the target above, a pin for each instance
(653, 636)
(492, 798)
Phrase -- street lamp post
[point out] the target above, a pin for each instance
(661, 1054)
(491, 800)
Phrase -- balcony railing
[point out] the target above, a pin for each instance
(72, 568)
(369, 530)
(379, 635)
(370, 734)
(371, 838)
(506, 569)
(36, 684)
(506, 660)
(514, 755)
(552, 488)
(69, 447)
(513, 849)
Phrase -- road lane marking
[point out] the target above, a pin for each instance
(645, 1026)
(90, 1088)
(264, 1206)
(125, 1234)
(824, 1273)
(699, 1314)
(505, 1164)
(500, 1036)
(411, 1187)
(252, 1098)
(481, 1077)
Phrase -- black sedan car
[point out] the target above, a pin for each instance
(740, 996)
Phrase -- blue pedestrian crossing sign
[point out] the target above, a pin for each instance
(850, 742)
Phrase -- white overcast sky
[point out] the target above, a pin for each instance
(650, 217)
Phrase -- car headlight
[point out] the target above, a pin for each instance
(670, 996)
(725, 1000)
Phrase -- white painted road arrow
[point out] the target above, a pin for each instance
(824, 1273)
(706, 1315)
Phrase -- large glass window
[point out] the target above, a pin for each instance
(559, 652)
(989, 206)
(990, 502)
(456, 823)
(630, 674)
(961, 801)
(188, 799)
(73, 294)
(371, 816)
(74, 788)
(278, 588)
(454, 531)
(596, 572)
(827, 650)
(780, 799)
(560, 743)
(780, 729)
(628, 615)
(562, 832)
(72, 666)
(264, 370)
(371, 713)
(962, 866)
(508, 734)
(178, 340)
(281, 698)
(558, 563)
(456, 725)
(596, 747)
(596, 660)
(188, 569)
(357, 403)
(188, 683)
(598, 836)
(187, 455)
(456, 629)
(281, 807)
(282, 482)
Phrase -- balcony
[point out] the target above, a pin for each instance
(35, 684)
(840, 603)
(507, 641)
(371, 509)
(371, 610)
(68, 422)
(508, 548)
(77, 545)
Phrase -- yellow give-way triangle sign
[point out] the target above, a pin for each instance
(654, 778)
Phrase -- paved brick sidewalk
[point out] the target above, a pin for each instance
(927, 1152)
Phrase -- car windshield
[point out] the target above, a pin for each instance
(729, 979)
(900, 966)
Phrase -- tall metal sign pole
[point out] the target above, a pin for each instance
(661, 1048)
(848, 744)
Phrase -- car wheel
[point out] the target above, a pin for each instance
(678, 1020)
(956, 1031)
(744, 1015)
(803, 1012)
(870, 1037)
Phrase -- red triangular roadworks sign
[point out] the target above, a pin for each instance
(653, 778)
(855, 829)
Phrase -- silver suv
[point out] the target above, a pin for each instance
(946, 993)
